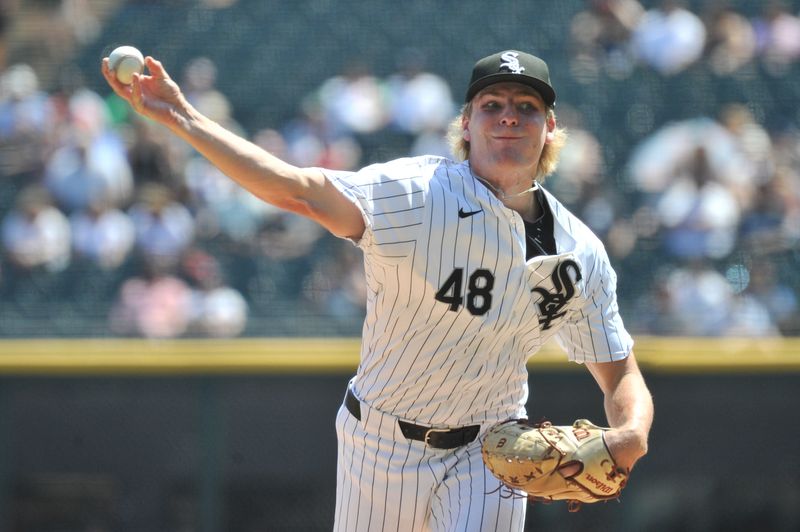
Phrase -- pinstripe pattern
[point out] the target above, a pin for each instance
(388, 483)
(458, 358)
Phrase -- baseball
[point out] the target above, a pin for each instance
(125, 61)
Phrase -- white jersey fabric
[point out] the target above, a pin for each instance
(454, 310)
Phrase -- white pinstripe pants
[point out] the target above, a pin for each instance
(388, 483)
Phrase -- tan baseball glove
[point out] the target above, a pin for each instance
(530, 458)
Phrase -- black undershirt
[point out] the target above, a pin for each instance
(539, 234)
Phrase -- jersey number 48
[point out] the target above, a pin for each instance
(479, 291)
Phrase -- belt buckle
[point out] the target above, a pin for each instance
(428, 434)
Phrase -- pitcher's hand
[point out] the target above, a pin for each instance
(626, 446)
(154, 94)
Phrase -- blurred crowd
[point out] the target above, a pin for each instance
(111, 214)
(713, 199)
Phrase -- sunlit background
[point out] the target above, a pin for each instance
(684, 155)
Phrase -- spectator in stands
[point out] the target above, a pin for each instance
(151, 158)
(731, 40)
(601, 35)
(57, 29)
(80, 17)
(286, 247)
(23, 105)
(35, 234)
(767, 288)
(788, 185)
(581, 182)
(785, 155)
(420, 106)
(216, 310)
(753, 142)
(669, 38)
(200, 80)
(780, 301)
(153, 304)
(653, 309)
(354, 102)
(761, 229)
(699, 214)
(312, 140)
(697, 178)
(221, 208)
(432, 142)
(89, 158)
(699, 301)
(25, 122)
(271, 140)
(164, 227)
(337, 285)
(418, 100)
(748, 317)
(581, 162)
(72, 180)
(102, 234)
(777, 37)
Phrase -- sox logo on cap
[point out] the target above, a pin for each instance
(511, 62)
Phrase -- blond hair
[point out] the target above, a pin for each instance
(551, 151)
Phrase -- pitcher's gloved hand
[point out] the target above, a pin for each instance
(551, 463)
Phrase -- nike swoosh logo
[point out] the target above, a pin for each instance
(466, 214)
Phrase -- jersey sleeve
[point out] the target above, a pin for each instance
(391, 198)
(597, 333)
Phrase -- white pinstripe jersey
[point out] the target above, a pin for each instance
(454, 311)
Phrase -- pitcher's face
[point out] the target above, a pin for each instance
(507, 129)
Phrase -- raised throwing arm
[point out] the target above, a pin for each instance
(304, 191)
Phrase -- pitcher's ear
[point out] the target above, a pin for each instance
(551, 128)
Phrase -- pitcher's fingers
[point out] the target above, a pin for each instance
(137, 97)
(122, 90)
(155, 68)
(105, 69)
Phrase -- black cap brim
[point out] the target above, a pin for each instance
(545, 91)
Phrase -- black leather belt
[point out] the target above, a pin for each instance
(432, 436)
